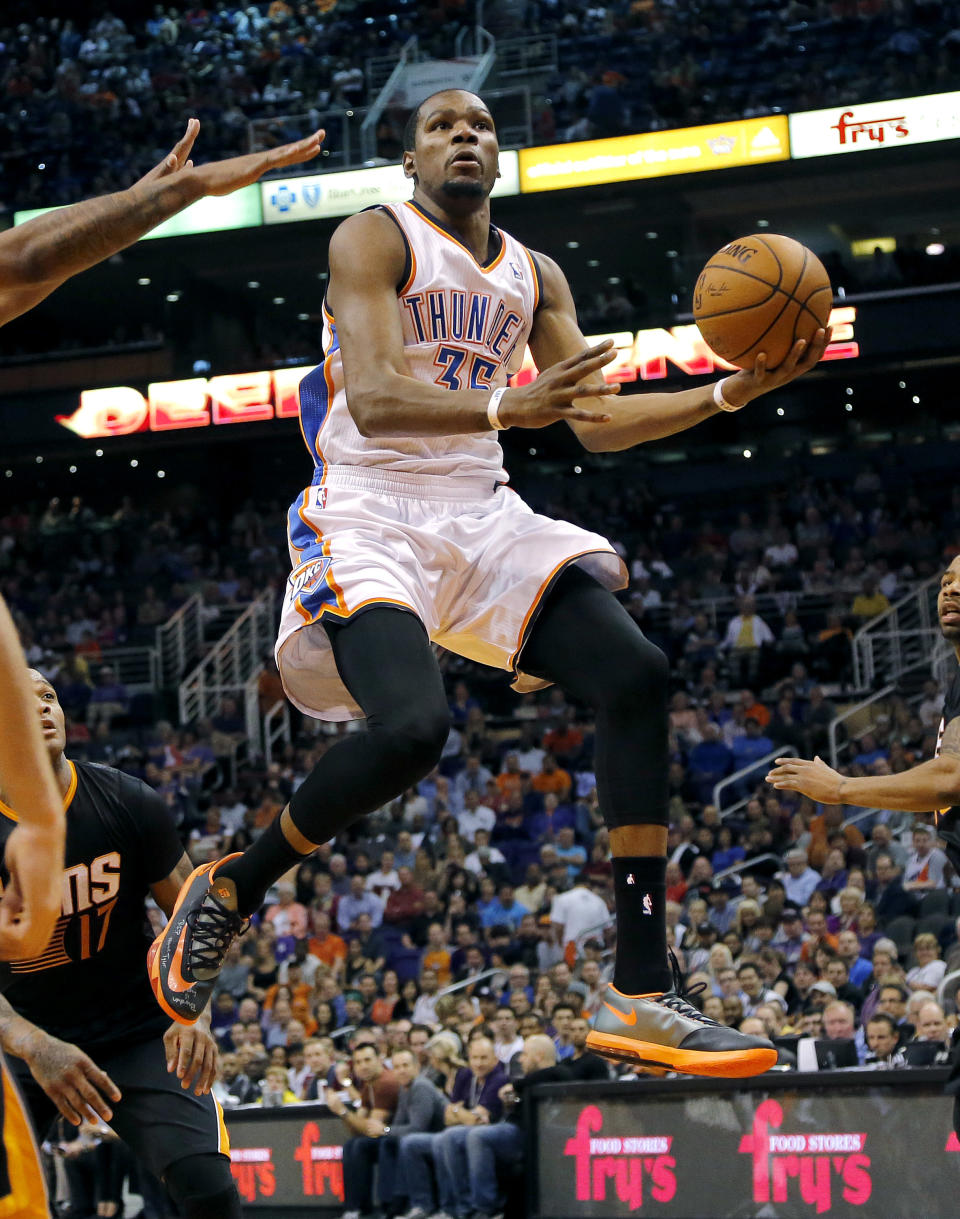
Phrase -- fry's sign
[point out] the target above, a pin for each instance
(257, 397)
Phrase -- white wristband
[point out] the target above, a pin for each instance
(493, 409)
(720, 400)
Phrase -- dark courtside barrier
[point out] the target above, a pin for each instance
(847, 1143)
(783, 1146)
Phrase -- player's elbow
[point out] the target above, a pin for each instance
(364, 411)
(948, 787)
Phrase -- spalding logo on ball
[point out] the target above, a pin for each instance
(761, 294)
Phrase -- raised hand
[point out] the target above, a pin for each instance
(551, 396)
(744, 386)
(178, 157)
(224, 177)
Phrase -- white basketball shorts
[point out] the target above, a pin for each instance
(473, 564)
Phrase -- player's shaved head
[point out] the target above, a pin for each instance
(432, 102)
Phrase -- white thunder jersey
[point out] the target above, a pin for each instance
(425, 524)
(465, 326)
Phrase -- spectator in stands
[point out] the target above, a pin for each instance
(747, 634)
(385, 879)
(848, 949)
(799, 879)
(929, 970)
(475, 1101)
(890, 900)
(474, 815)
(882, 842)
(109, 698)
(927, 866)
(575, 913)
(377, 1098)
(883, 1040)
(932, 1027)
(358, 901)
(286, 916)
(420, 1110)
(869, 602)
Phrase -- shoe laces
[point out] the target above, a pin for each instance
(213, 929)
(677, 999)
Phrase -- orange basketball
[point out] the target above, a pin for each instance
(761, 294)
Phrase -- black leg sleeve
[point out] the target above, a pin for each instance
(586, 642)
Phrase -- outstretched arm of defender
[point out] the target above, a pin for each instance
(641, 417)
(34, 852)
(37, 257)
(931, 785)
(385, 399)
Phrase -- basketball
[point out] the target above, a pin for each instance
(761, 294)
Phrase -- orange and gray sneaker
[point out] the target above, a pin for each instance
(185, 959)
(663, 1032)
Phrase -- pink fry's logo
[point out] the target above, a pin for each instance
(632, 1163)
(815, 1161)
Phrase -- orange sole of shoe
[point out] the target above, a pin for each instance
(153, 970)
(647, 1056)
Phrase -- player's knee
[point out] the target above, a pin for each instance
(203, 1188)
(639, 675)
(417, 734)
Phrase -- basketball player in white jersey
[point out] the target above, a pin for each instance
(408, 535)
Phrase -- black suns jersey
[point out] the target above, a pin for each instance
(90, 984)
(948, 819)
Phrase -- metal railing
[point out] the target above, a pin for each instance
(525, 56)
(744, 864)
(276, 727)
(341, 146)
(231, 665)
(897, 822)
(135, 668)
(833, 729)
(898, 639)
(409, 53)
(180, 641)
(781, 751)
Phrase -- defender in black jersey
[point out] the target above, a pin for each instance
(80, 1022)
(933, 786)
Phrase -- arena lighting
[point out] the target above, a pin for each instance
(257, 397)
(143, 281)
(134, 463)
(73, 469)
(935, 248)
(780, 410)
(39, 461)
(748, 453)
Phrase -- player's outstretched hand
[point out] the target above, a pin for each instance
(551, 396)
(814, 779)
(192, 1055)
(31, 899)
(224, 177)
(71, 1079)
(179, 155)
(744, 386)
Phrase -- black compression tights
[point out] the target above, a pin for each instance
(583, 640)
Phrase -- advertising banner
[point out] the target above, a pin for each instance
(284, 1157)
(847, 1150)
(654, 154)
(215, 214)
(874, 125)
(322, 196)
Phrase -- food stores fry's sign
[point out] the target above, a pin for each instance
(256, 397)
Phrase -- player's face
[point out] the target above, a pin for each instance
(948, 602)
(51, 715)
(457, 152)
